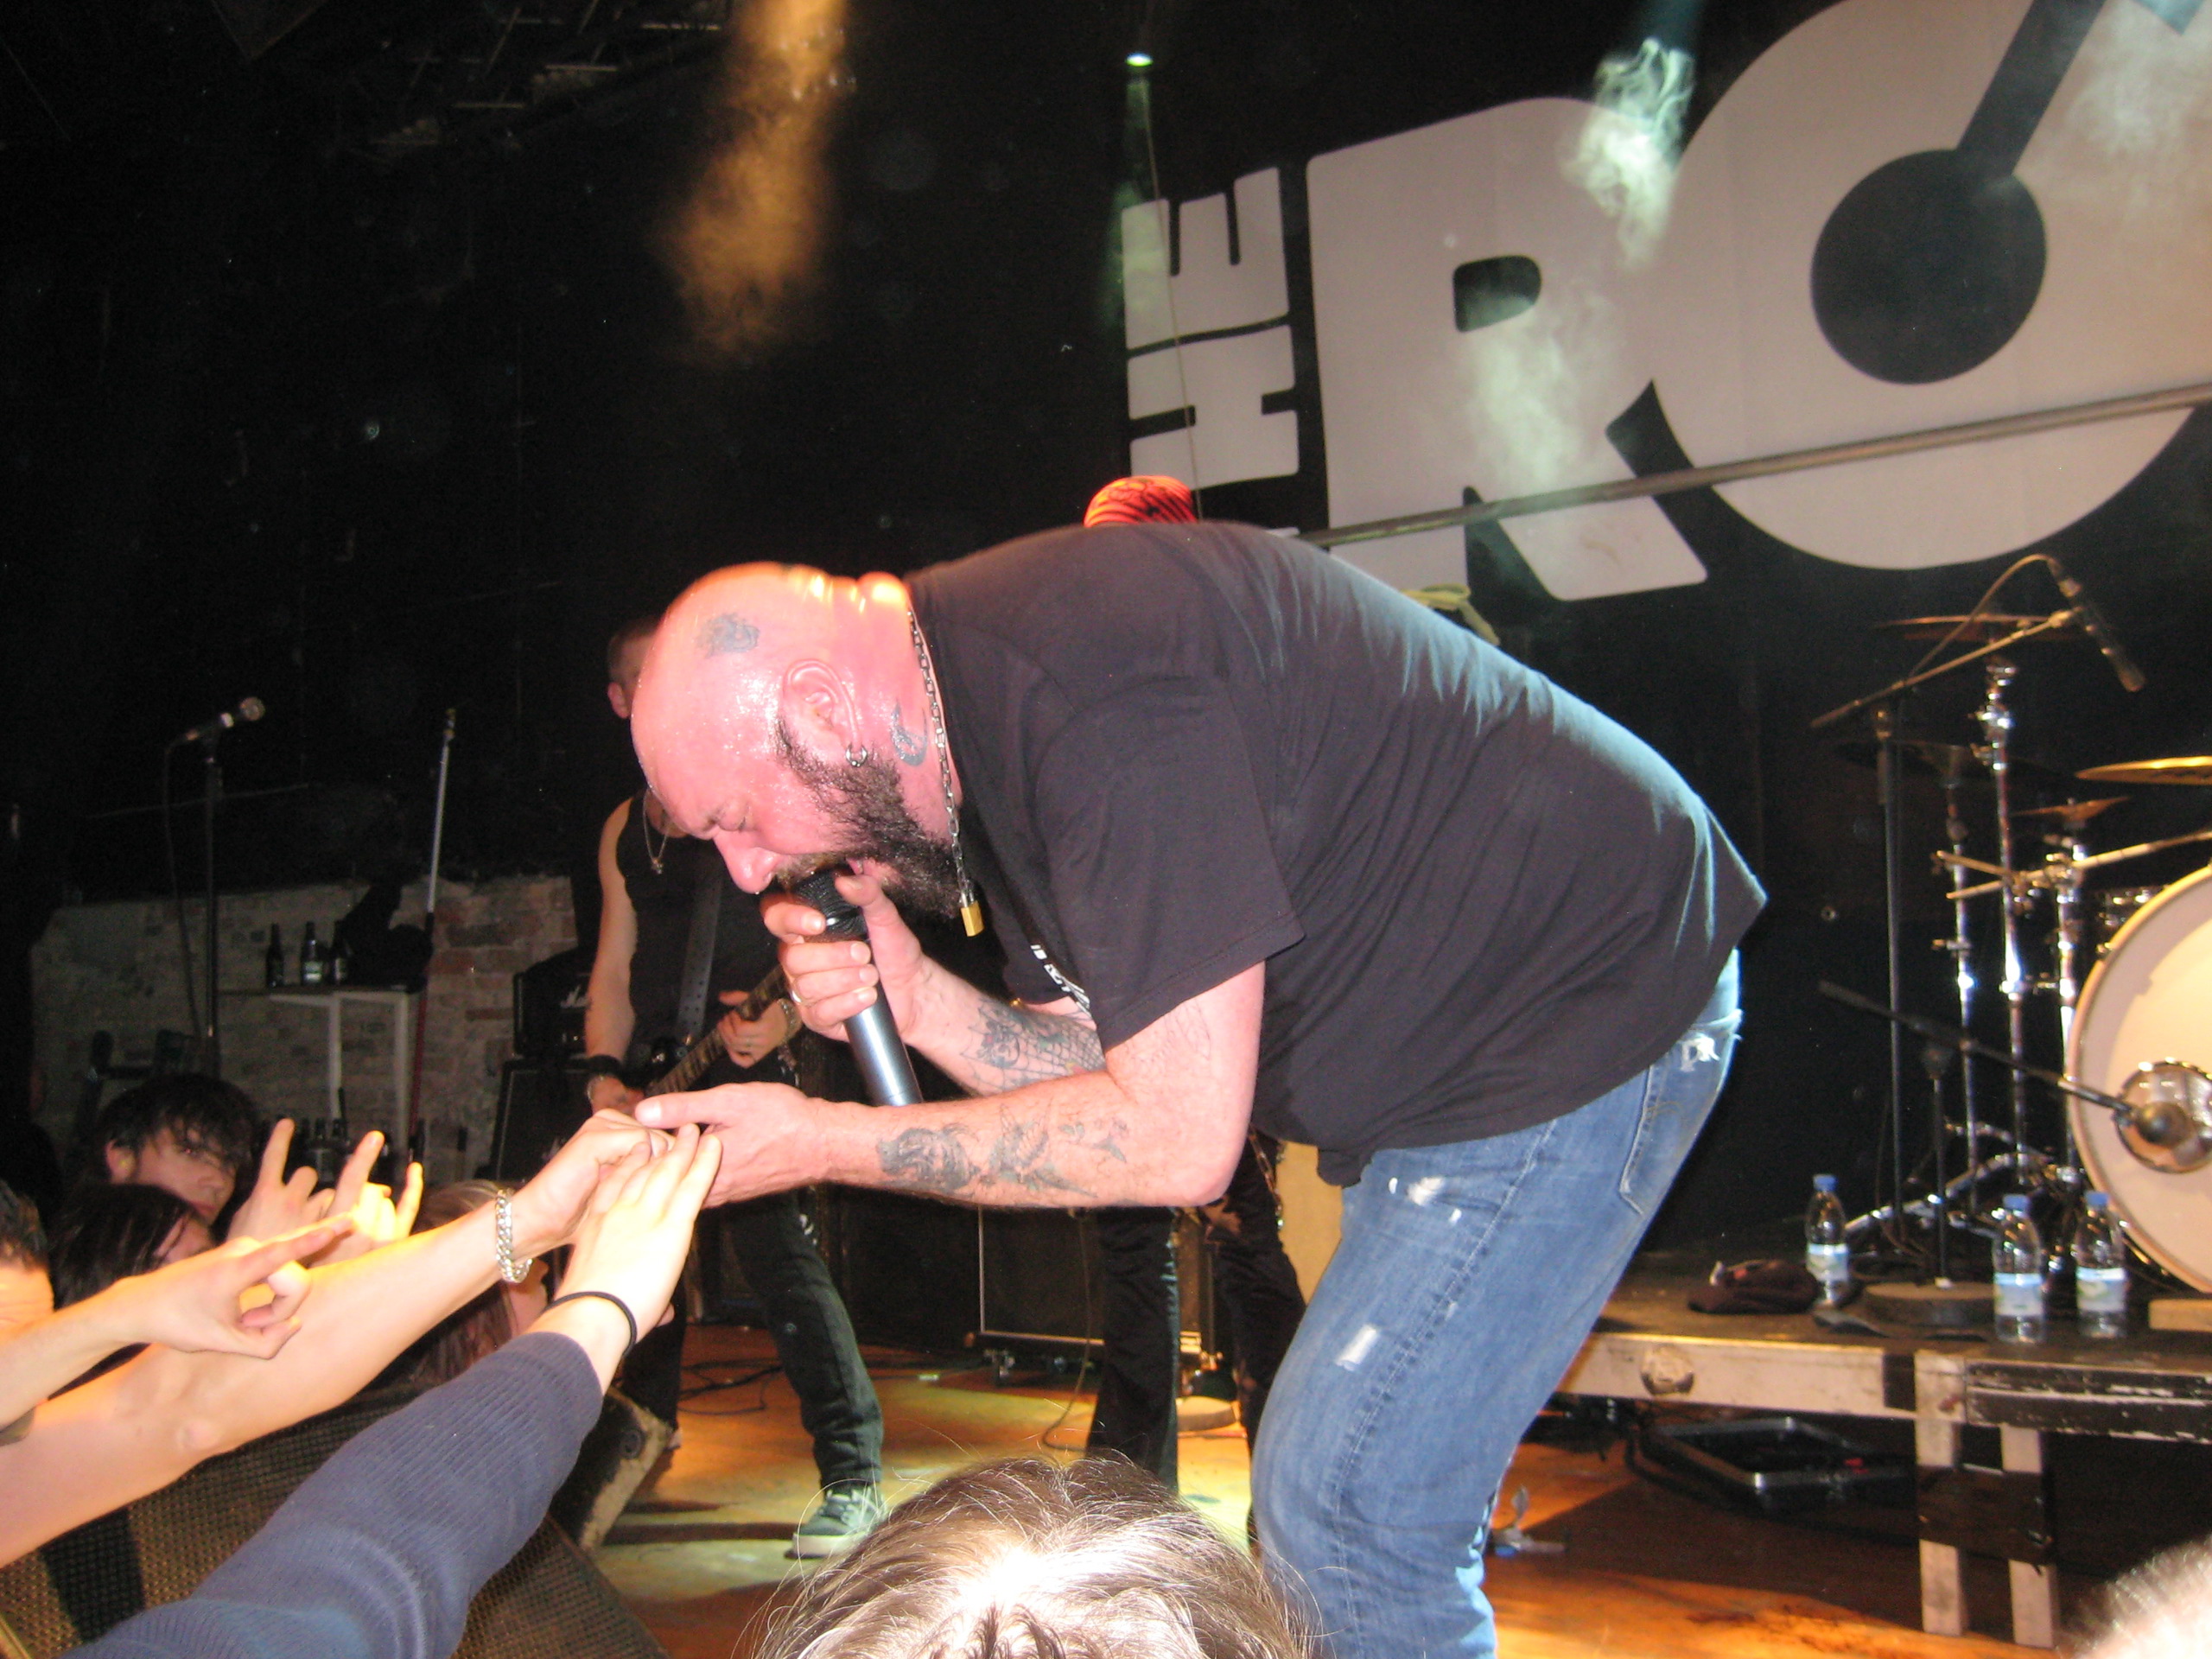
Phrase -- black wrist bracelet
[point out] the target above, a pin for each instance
(628, 1318)
(601, 1065)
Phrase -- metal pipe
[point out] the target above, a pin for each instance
(1791, 460)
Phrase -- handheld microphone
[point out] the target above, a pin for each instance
(2101, 630)
(252, 709)
(873, 1033)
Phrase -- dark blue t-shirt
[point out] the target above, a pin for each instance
(1194, 747)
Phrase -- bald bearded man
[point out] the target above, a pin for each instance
(1267, 844)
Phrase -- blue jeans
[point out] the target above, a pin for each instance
(1467, 1277)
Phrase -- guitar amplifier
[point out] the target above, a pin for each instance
(541, 1103)
(1038, 1279)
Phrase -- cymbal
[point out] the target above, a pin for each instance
(1978, 630)
(1917, 754)
(2174, 769)
(2073, 812)
(1933, 759)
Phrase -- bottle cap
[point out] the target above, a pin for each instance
(2017, 1202)
(2099, 1200)
(1824, 1183)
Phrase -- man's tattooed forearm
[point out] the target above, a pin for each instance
(1017, 1047)
(926, 1160)
(1018, 1159)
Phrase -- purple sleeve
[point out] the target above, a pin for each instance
(381, 1550)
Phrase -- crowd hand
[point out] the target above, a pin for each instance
(767, 1131)
(242, 1297)
(277, 1204)
(636, 1230)
(750, 1041)
(610, 1094)
(831, 979)
(377, 1218)
(550, 1206)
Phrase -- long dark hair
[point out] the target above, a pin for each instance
(109, 1233)
(477, 1327)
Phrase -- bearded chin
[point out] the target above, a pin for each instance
(865, 803)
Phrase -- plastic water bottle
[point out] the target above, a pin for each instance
(2019, 1273)
(1827, 1255)
(2101, 1272)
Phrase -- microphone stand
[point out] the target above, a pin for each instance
(211, 794)
(1936, 1031)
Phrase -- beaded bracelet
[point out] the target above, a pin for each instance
(512, 1268)
(628, 1318)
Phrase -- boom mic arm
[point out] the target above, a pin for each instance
(2093, 619)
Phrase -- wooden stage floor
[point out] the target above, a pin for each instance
(1646, 1571)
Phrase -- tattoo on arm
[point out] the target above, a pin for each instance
(1016, 1046)
(908, 746)
(727, 635)
(1020, 1158)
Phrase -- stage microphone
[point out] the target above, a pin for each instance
(2093, 620)
(252, 709)
(873, 1033)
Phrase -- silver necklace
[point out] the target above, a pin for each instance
(651, 857)
(971, 913)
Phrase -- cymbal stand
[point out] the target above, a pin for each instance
(2067, 870)
(1996, 752)
(1960, 947)
(1892, 801)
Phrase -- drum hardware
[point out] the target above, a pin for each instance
(2149, 1114)
(2057, 868)
(1988, 636)
(2169, 1125)
(1995, 750)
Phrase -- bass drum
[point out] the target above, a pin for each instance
(2150, 1000)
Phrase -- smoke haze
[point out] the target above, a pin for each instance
(746, 246)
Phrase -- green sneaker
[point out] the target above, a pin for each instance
(846, 1514)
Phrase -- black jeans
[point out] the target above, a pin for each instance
(1141, 1326)
(772, 1241)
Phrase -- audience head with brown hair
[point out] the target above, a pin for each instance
(1031, 1560)
(484, 1325)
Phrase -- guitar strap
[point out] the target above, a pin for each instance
(708, 895)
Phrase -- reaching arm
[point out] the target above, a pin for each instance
(608, 1018)
(380, 1551)
(194, 1306)
(140, 1427)
(1159, 1123)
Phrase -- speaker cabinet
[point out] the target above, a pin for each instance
(1036, 1278)
(541, 1103)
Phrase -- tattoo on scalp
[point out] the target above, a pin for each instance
(908, 747)
(1021, 1046)
(727, 635)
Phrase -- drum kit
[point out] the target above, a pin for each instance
(2117, 980)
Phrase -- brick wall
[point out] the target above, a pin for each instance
(115, 967)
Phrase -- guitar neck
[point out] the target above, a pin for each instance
(692, 1064)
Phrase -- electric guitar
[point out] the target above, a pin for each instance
(691, 1064)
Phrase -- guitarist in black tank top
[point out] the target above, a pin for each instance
(649, 878)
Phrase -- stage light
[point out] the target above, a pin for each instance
(1139, 60)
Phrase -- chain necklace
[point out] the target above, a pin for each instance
(653, 858)
(971, 913)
